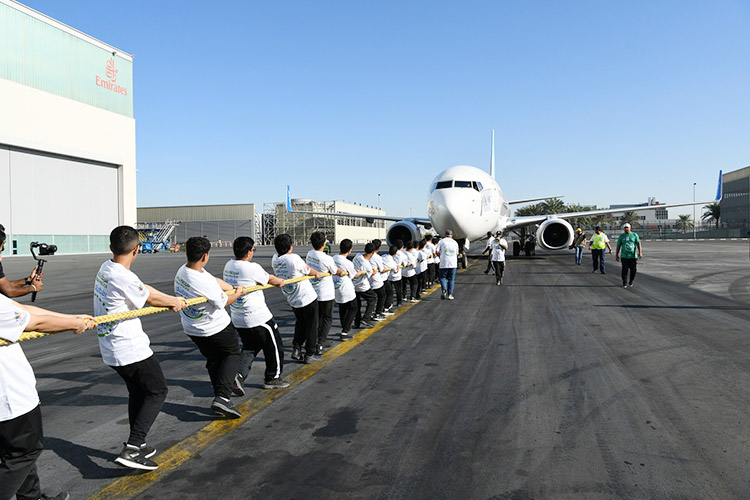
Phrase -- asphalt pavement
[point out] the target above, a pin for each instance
(558, 384)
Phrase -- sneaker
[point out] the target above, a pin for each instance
(131, 456)
(345, 336)
(624, 285)
(63, 495)
(593, 271)
(498, 282)
(413, 300)
(238, 388)
(630, 285)
(379, 317)
(388, 313)
(366, 324)
(277, 383)
(224, 406)
(147, 450)
(442, 295)
(487, 272)
(603, 272)
(450, 297)
(297, 353)
(312, 358)
(319, 350)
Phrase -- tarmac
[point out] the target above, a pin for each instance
(558, 384)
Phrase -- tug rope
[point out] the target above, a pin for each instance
(137, 313)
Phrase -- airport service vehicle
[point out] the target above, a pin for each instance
(469, 201)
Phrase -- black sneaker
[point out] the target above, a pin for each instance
(297, 353)
(132, 456)
(312, 358)
(238, 389)
(147, 450)
(345, 336)
(442, 295)
(366, 324)
(224, 406)
(277, 383)
(603, 272)
(63, 495)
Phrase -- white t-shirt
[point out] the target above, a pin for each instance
(117, 289)
(401, 260)
(489, 242)
(207, 318)
(390, 263)
(322, 263)
(499, 245)
(362, 282)
(430, 249)
(290, 266)
(343, 284)
(250, 310)
(448, 249)
(411, 263)
(422, 257)
(18, 394)
(377, 278)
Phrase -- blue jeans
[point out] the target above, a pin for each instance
(597, 255)
(447, 277)
(579, 254)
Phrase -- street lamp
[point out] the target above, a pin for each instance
(694, 209)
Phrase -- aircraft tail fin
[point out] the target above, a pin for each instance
(720, 189)
(492, 156)
(288, 200)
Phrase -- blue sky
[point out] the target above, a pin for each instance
(604, 102)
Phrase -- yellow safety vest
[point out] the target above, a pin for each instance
(597, 241)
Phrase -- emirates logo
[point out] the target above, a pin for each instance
(111, 72)
(110, 82)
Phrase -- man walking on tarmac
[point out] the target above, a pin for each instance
(629, 242)
(579, 243)
(447, 250)
(599, 242)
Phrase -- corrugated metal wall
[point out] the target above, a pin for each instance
(39, 55)
(236, 212)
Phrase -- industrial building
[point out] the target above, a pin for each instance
(67, 135)
(735, 203)
(218, 223)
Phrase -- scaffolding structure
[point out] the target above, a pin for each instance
(300, 226)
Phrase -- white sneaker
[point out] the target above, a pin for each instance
(450, 297)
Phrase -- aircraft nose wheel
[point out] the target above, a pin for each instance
(464, 260)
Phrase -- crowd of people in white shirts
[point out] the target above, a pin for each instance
(229, 341)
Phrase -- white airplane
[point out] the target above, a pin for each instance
(469, 201)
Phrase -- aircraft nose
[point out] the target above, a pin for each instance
(446, 212)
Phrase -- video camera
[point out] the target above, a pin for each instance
(44, 249)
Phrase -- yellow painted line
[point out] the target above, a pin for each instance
(130, 486)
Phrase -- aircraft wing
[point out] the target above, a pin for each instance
(516, 222)
(367, 217)
(527, 200)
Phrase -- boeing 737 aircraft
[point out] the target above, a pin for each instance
(469, 201)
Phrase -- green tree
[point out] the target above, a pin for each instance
(685, 223)
(553, 206)
(535, 209)
(712, 213)
(631, 218)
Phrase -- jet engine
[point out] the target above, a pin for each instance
(554, 234)
(403, 230)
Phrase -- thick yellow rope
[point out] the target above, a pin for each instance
(137, 313)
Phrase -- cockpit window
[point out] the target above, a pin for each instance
(462, 184)
(475, 185)
(444, 185)
(479, 185)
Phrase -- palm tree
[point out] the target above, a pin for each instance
(713, 213)
(581, 221)
(631, 218)
(535, 209)
(684, 223)
(553, 206)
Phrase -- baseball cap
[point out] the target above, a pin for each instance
(579, 230)
(448, 232)
(626, 225)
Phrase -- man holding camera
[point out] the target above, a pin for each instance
(20, 287)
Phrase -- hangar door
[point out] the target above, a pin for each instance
(71, 202)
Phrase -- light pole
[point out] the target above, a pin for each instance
(694, 209)
(379, 235)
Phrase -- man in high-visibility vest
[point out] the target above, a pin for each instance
(599, 242)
